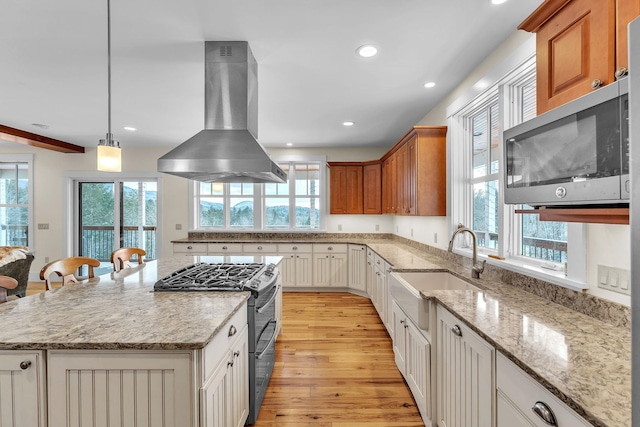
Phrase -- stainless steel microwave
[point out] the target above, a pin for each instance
(576, 154)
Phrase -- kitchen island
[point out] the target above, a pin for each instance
(109, 346)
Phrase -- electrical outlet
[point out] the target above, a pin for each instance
(435, 237)
(43, 226)
(412, 232)
(339, 227)
(614, 279)
(46, 260)
(178, 226)
(377, 227)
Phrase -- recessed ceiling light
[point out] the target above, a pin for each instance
(367, 51)
(348, 123)
(429, 84)
(129, 128)
(498, 1)
(40, 125)
(289, 144)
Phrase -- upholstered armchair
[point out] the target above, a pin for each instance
(16, 265)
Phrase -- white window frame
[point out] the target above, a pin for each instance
(259, 202)
(503, 84)
(28, 159)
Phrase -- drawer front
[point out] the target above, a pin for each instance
(523, 392)
(224, 248)
(260, 248)
(224, 339)
(190, 248)
(330, 248)
(295, 248)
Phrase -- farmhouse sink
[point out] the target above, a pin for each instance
(405, 288)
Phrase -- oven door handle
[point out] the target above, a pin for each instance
(271, 341)
(268, 303)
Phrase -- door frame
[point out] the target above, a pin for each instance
(71, 213)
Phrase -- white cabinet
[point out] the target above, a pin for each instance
(357, 267)
(330, 265)
(224, 397)
(521, 398)
(260, 248)
(465, 383)
(371, 272)
(189, 248)
(380, 293)
(412, 353)
(22, 389)
(144, 388)
(297, 265)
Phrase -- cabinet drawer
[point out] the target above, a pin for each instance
(259, 248)
(223, 248)
(220, 344)
(330, 248)
(190, 248)
(299, 248)
(523, 392)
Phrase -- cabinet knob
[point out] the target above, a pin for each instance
(596, 83)
(259, 248)
(621, 72)
(330, 248)
(456, 330)
(230, 363)
(295, 248)
(236, 353)
(25, 364)
(545, 413)
(232, 331)
(224, 248)
(189, 247)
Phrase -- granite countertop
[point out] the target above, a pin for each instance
(118, 311)
(584, 361)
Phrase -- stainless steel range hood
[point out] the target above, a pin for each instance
(227, 149)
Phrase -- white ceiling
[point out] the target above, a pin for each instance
(54, 68)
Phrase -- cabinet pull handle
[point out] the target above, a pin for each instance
(330, 248)
(378, 262)
(456, 330)
(295, 248)
(545, 413)
(236, 353)
(230, 363)
(621, 72)
(189, 247)
(232, 331)
(259, 248)
(402, 322)
(224, 248)
(25, 364)
(596, 83)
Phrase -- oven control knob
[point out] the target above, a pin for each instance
(561, 192)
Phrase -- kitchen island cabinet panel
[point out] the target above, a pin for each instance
(141, 388)
(22, 389)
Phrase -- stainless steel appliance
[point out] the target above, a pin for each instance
(576, 154)
(263, 281)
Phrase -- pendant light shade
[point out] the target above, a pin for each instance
(109, 154)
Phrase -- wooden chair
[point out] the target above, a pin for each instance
(66, 269)
(6, 283)
(120, 258)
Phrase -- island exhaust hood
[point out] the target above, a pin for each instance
(227, 149)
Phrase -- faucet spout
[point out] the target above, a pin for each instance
(476, 269)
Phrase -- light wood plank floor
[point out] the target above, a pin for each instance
(335, 367)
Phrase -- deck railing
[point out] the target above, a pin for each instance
(98, 241)
(534, 247)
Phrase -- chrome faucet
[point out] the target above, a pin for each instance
(475, 269)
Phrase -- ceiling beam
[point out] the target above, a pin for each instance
(23, 137)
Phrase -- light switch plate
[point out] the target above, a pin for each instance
(43, 226)
(614, 279)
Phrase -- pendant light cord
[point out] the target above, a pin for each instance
(109, 137)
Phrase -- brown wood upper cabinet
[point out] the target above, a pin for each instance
(414, 173)
(371, 187)
(580, 44)
(345, 181)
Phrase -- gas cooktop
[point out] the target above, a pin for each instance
(214, 277)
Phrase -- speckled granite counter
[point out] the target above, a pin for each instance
(118, 311)
(584, 361)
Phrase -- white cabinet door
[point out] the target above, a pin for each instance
(418, 369)
(465, 384)
(339, 270)
(304, 270)
(143, 388)
(371, 272)
(399, 343)
(22, 399)
(358, 267)
(214, 398)
(288, 270)
(321, 270)
(239, 381)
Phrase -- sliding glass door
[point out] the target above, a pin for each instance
(116, 213)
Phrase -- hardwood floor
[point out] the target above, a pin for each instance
(335, 367)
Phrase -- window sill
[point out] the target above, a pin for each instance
(518, 266)
(255, 230)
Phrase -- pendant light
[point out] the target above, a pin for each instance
(109, 154)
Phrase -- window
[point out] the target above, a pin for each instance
(16, 197)
(476, 153)
(294, 205)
